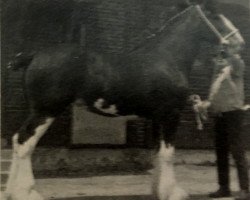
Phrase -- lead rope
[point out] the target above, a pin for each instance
(200, 107)
(200, 114)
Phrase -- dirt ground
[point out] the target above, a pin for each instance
(195, 172)
(198, 181)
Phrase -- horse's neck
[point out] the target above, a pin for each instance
(182, 46)
(184, 51)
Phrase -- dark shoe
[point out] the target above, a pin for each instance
(220, 193)
(243, 195)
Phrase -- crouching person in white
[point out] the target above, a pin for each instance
(165, 186)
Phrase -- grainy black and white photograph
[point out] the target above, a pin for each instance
(125, 99)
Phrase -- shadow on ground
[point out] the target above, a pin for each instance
(135, 197)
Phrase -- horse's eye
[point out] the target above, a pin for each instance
(19, 54)
(223, 54)
(173, 8)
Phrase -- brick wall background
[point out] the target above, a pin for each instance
(110, 26)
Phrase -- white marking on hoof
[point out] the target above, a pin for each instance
(15, 144)
(99, 103)
(165, 185)
(246, 107)
(28, 147)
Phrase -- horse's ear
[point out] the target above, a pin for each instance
(19, 54)
(189, 2)
(210, 6)
(182, 4)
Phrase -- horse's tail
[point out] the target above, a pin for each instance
(21, 61)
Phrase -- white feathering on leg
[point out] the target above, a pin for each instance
(166, 186)
(30, 144)
(21, 181)
(13, 169)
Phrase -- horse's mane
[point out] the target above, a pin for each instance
(154, 37)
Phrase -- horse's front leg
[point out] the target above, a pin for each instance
(165, 186)
(20, 185)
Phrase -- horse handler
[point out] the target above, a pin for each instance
(226, 101)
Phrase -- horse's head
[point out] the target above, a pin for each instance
(217, 29)
(185, 33)
(220, 32)
(201, 24)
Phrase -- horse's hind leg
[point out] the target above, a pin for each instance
(20, 185)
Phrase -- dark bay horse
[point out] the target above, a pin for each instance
(151, 81)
